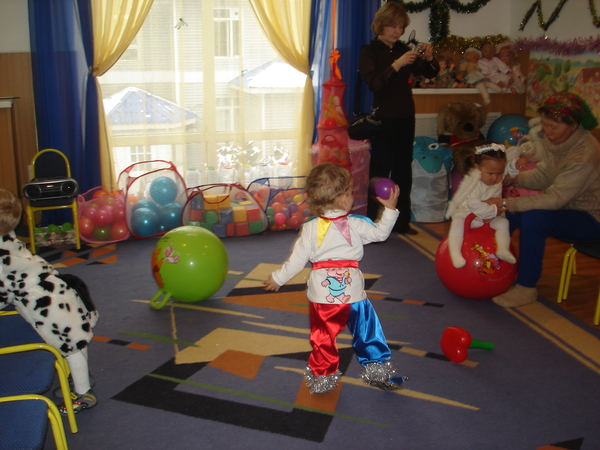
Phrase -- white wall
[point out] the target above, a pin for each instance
(14, 26)
(497, 17)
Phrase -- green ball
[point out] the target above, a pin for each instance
(102, 233)
(67, 226)
(53, 229)
(190, 263)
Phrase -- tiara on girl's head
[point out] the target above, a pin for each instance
(489, 148)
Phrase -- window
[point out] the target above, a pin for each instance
(200, 75)
(227, 32)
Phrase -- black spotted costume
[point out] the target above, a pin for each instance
(53, 308)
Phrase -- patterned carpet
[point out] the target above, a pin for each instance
(226, 372)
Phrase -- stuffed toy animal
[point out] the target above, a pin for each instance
(458, 125)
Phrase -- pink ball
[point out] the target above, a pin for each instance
(280, 218)
(104, 216)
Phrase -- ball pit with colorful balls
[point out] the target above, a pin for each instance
(102, 214)
(287, 210)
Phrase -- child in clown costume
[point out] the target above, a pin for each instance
(57, 306)
(333, 242)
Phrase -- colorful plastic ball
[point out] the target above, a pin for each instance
(86, 226)
(508, 129)
(382, 187)
(102, 233)
(299, 198)
(67, 226)
(100, 193)
(144, 204)
(277, 207)
(295, 221)
(189, 264)
(280, 218)
(104, 216)
(53, 228)
(163, 190)
(119, 231)
(119, 212)
(484, 275)
(144, 222)
(170, 215)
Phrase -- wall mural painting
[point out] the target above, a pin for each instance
(549, 73)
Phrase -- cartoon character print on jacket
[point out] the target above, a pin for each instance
(337, 280)
(45, 301)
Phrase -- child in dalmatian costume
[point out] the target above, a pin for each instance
(333, 242)
(60, 311)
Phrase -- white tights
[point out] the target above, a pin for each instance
(456, 234)
(78, 363)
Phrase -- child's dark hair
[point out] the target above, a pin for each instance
(10, 211)
(485, 150)
(325, 183)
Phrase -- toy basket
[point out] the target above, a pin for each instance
(284, 201)
(225, 209)
(155, 195)
(102, 216)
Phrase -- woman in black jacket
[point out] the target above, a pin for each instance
(387, 65)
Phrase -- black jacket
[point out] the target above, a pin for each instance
(392, 91)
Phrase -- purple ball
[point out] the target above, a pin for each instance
(384, 187)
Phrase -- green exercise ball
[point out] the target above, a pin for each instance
(189, 264)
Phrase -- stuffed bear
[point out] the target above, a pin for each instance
(458, 125)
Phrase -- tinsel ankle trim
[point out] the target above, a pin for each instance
(382, 375)
(321, 384)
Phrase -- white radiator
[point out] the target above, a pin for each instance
(426, 124)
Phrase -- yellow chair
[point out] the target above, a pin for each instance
(50, 164)
(569, 267)
(18, 378)
(23, 419)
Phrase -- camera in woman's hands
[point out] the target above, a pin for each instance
(413, 44)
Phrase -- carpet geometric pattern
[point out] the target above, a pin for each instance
(227, 372)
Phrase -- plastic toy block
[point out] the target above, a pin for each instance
(197, 202)
(220, 230)
(242, 229)
(230, 227)
(196, 215)
(226, 216)
(239, 214)
(224, 201)
(253, 213)
(256, 227)
(211, 202)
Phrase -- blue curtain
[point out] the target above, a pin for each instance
(66, 115)
(354, 30)
(320, 48)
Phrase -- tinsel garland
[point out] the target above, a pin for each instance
(439, 17)
(459, 44)
(538, 5)
(595, 19)
(570, 47)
